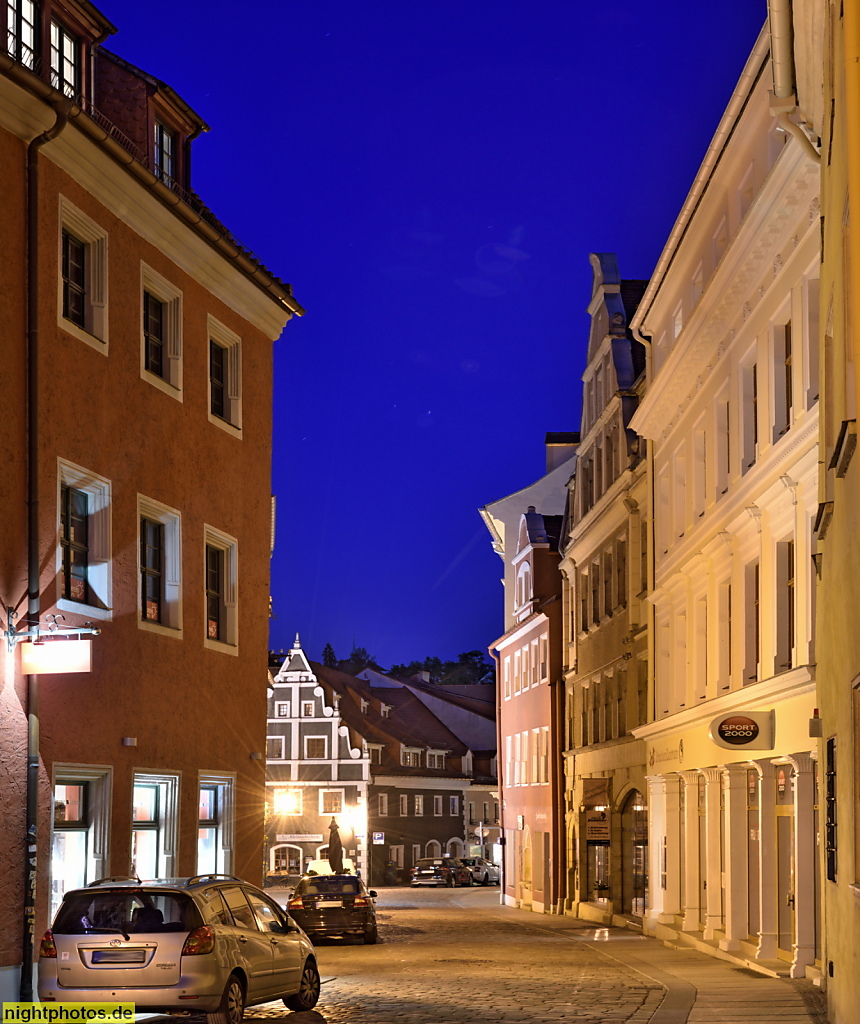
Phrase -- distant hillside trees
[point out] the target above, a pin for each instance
(471, 667)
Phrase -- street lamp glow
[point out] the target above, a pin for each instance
(355, 820)
(287, 801)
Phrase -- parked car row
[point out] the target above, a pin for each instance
(453, 871)
(212, 944)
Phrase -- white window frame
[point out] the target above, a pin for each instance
(418, 805)
(232, 344)
(282, 709)
(230, 546)
(454, 806)
(382, 805)
(77, 223)
(171, 298)
(168, 822)
(100, 779)
(226, 786)
(438, 806)
(305, 705)
(171, 520)
(100, 555)
(279, 740)
(337, 792)
(406, 753)
(307, 757)
(404, 805)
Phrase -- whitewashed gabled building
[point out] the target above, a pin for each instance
(317, 769)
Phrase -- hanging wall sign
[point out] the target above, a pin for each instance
(743, 730)
(597, 832)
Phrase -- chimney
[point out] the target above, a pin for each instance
(560, 446)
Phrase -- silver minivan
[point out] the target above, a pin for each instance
(210, 944)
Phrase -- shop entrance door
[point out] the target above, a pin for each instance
(785, 873)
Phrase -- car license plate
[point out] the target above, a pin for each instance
(119, 956)
(332, 903)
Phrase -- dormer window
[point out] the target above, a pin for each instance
(383, 710)
(164, 153)
(364, 706)
(411, 757)
(21, 32)
(65, 60)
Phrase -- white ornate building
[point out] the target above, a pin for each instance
(731, 414)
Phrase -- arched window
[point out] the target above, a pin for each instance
(285, 859)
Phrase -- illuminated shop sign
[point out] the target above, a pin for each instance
(752, 730)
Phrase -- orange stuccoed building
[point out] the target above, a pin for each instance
(135, 386)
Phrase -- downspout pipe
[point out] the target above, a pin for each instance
(500, 780)
(783, 99)
(652, 559)
(63, 107)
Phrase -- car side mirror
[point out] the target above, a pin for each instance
(372, 893)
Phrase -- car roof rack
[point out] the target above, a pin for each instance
(211, 878)
(113, 878)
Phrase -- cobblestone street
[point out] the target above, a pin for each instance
(456, 956)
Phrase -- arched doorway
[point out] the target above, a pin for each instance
(634, 854)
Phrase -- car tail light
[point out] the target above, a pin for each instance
(47, 948)
(201, 940)
(296, 903)
(361, 901)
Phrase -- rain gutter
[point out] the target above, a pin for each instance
(63, 109)
(783, 99)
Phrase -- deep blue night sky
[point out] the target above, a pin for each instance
(431, 178)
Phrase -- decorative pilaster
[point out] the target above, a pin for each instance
(657, 849)
(713, 861)
(692, 889)
(767, 942)
(736, 840)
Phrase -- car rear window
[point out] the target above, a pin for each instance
(128, 910)
(329, 886)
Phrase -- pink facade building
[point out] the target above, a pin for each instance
(136, 390)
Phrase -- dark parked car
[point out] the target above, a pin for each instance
(448, 871)
(326, 906)
(210, 944)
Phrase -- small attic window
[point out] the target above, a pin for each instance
(164, 153)
(384, 709)
(364, 706)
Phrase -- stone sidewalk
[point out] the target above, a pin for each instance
(698, 988)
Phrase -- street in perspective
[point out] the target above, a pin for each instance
(456, 955)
